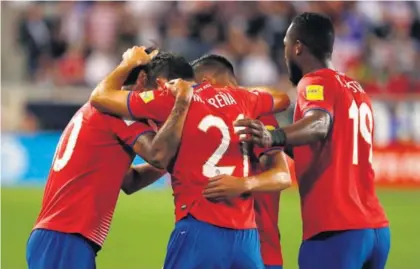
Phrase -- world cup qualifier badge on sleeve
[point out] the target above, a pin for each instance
(314, 93)
(147, 96)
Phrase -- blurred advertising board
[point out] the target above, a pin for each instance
(26, 158)
(396, 155)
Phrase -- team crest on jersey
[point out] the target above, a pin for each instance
(270, 127)
(147, 96)
(315, 93)
(128, 122)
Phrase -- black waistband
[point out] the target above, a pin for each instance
(92, 244)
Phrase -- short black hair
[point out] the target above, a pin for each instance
(213, 61)
(134, 74)
(169, 66)
(316, 32)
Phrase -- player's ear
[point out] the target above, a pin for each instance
(298, 48)
(161, 82)
(141, 79)
(208, 79)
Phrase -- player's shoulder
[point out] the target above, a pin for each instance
(323, 77)
(316, 84)
(243, 92)
(103, 121)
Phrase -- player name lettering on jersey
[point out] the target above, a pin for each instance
(352, 84)
(219, 100)
(197, 98)
(222, 99)
(355, 86)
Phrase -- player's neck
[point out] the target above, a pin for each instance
(317, 65)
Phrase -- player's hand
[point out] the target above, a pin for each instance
(254, 131)
(180, 88)
(224, 187)
(138, 56)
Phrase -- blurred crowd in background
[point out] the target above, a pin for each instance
(78, 43)
(54, 53)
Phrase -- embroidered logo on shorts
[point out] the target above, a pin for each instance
(315, 93)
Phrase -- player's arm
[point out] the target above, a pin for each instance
(108, 96)
(317, 109)
(275, 177)
(160, 149)
(139, 177)
(281, 100)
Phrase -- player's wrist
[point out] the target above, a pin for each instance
(125, 67)
(278, 137)
(185, 92)
(250, 183)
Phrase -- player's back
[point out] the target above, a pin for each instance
(336, 177)
(89, 165)
(210, 147)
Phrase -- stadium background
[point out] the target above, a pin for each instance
(54, 53)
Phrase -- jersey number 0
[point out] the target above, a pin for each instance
(60, 162)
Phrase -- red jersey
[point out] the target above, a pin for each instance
(267, 207)
(91, 160)
(335, 176)
(209, 147)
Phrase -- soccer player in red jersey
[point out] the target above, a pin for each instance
(226, 229)
(92, 158)
(219, 72)
(344, 224)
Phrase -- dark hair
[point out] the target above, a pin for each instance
(213, 61)
(169, 66)
(316, 32)
(134, 74)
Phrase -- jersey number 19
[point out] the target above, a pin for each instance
(362, 117)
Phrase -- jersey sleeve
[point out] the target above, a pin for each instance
(129, 131)
(153, 105)
(259, 102)
(270, 123)
(316, 93)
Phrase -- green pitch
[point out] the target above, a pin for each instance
(143, 222)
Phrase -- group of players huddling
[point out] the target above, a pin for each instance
(226, 155)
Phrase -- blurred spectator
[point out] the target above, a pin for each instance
(102, 22)
(376, 42)
(72, 15)
(35, 36)
(257, 67)
(99, 63)
(70, 69)
(79, 42)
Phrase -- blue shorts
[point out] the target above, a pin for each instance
(198, 245)
(47, 249)
(274, 267)
(352, 249)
